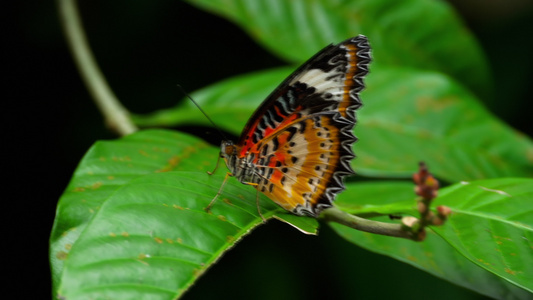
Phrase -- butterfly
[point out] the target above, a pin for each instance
(297, 146)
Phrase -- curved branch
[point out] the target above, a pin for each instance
(336, 215)
(116, 117)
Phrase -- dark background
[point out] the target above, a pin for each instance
(144, 49)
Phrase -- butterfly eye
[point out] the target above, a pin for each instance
(229, 149)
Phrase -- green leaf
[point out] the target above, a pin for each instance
(408, 116)
(108, 166)
(153, 237)
(131, 211)
(412, 116)
(419, 34)
(491, 227)
(436, 257)
(378, 197)
(131, 222)
(305, 225)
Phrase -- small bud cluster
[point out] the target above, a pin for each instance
(427, 189)
(426, 185)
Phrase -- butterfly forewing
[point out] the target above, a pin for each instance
(297, 146)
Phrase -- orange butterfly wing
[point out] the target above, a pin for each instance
(297, 146)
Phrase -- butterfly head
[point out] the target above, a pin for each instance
(228, 151)
(240, 167)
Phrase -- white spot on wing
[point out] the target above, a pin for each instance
(319, 80)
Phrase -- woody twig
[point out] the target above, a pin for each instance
(426, 187)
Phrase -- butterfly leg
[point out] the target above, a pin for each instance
(216, 167)
(259, 208)
(208, 208)
(256, 199)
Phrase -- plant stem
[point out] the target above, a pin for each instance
(336, 215)
(116, 116)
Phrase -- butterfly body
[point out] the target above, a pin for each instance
(297, 146)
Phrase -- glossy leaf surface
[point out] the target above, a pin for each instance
(419, 34)
(408, 116)
(491, 228)
(129, 209)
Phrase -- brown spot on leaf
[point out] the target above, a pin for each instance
(412, 258)
(96, 185)
(483, 262)
(502, 238)
(172, 163)
(529, 154)
(197, 272)
(509, 271)
(61, 255)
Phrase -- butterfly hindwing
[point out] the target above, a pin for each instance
(300, 167)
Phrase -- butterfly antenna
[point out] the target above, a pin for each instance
(203, 112)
